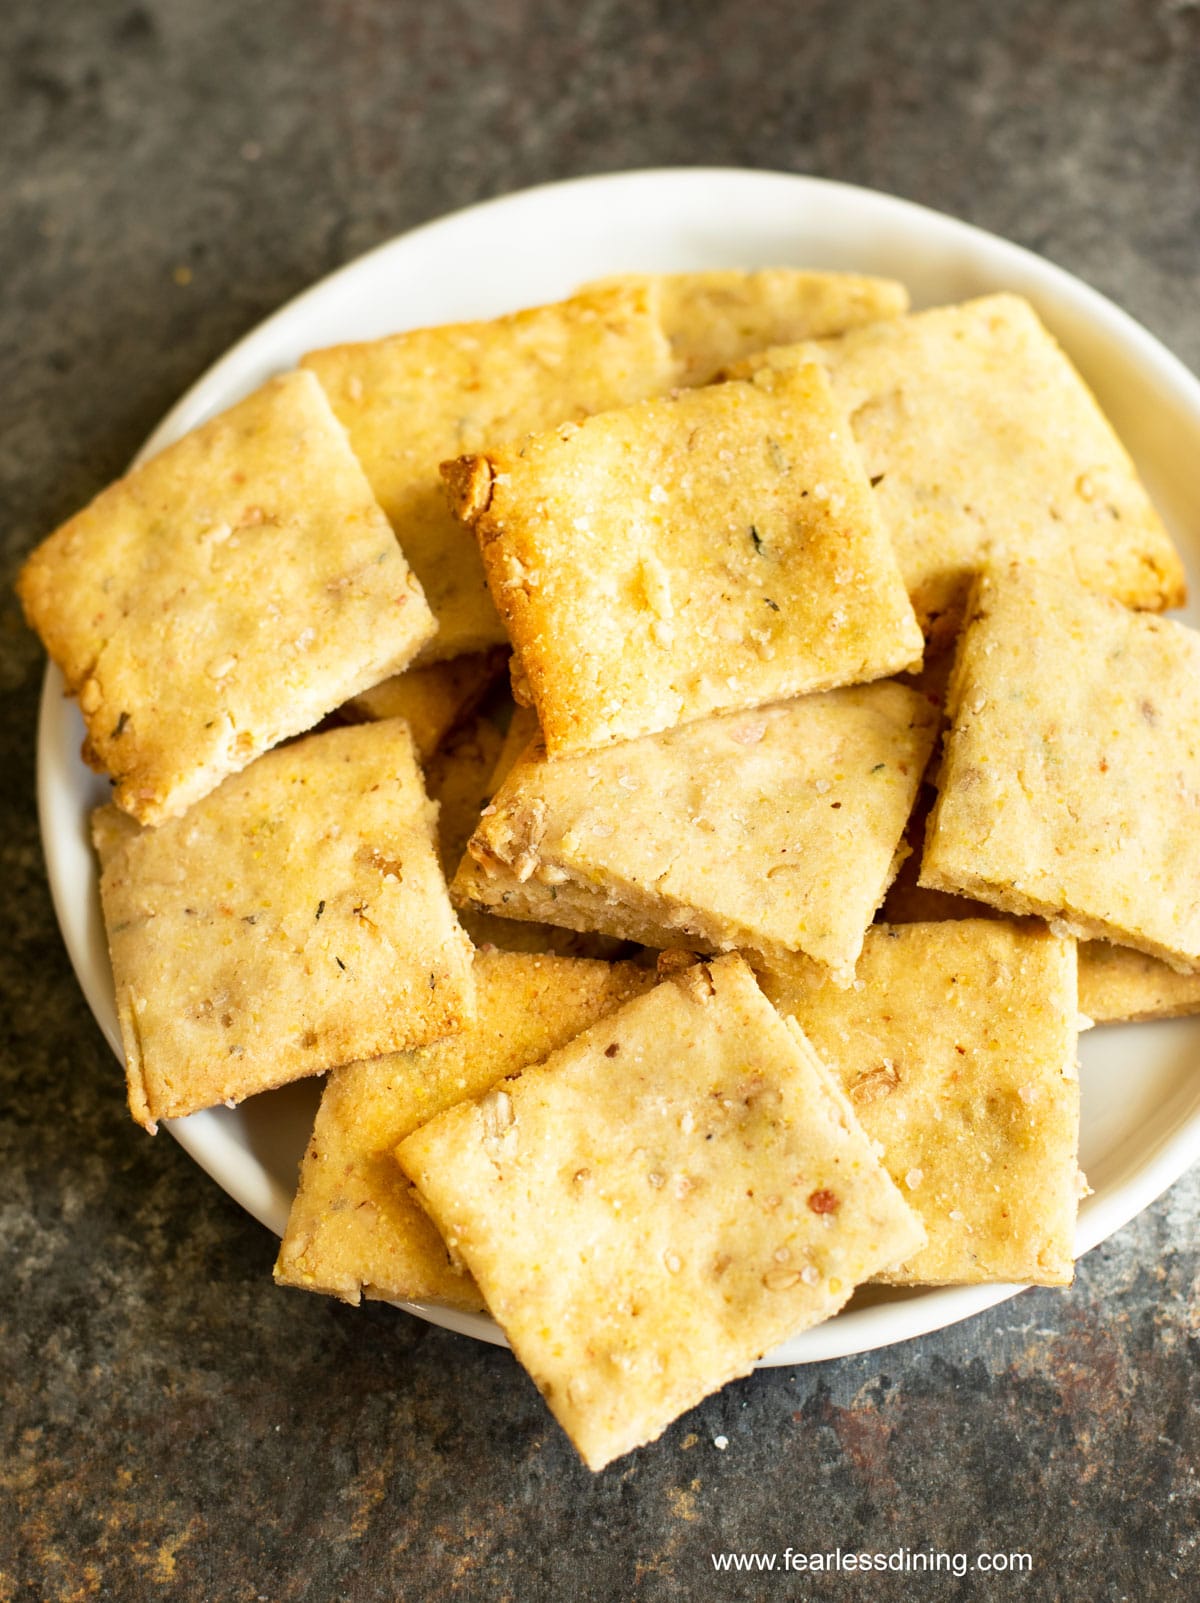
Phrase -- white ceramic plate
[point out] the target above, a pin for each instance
(1141, 1084)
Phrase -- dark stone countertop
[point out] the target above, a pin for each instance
(175, 1427)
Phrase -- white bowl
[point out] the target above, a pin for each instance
(1141, 1084)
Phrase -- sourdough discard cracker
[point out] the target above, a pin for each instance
(411, 400)
(432, 699)
(356, 1227)
(982, 440)
(714, 318)
(295, 919)
(777, 829)
(711, 551)
(1117, 984)
(1070, 784)
(659, 1203)
(223, 596)
(956, 1046)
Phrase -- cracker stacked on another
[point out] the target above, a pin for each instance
(293, 920)
(716, 550)
(648, 1175)
(778, 829)
(660, 1202)
(223, 596)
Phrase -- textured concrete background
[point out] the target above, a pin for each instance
(173, 1426)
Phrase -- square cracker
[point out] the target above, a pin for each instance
(715, 550)
(432, 699)
(356, 1227)
(777, 829)
(956, 1046)
(414, 399)
(224, 595)
(1070, 784)
(1119, 985)
(661, 1202)
(295, 919)
(981, 439)
(715, 318)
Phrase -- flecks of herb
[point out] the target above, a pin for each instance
(250, 918)
(120, 726)
(320, 910)
(339, 963)
(433, 982)
(774, 605)
(876, 478)
(877, 767)
(757, 538)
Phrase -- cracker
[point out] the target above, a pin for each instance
(777, 829)
(982, 439)
(356, 1227)
(223, 596)
(1119, 985)
(433, 699)
(956, 1046)
(295, 919)
(414, 399)
(1071, 776)
(714, 318)
(659, 1203)
(712, 551)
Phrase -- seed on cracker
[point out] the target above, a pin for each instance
(294, 919)
(1070, 784)
(223, 596)
(957, 1047)
(356, 1227)
(660, 1202)
(411, 400)
(699, 554)
(777, 829)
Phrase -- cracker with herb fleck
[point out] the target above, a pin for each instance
(982, 440)
(1070, 784)
(293, 920)
(356, 1227)
(715, 318)
(226, 594)
(777, 829)
(411, 400)
(660, 1202)
(712, 551)
(433, 699)
(957, 1048)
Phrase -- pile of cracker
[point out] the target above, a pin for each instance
(851, 771)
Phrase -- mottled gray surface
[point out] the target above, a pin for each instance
(172, 1425)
